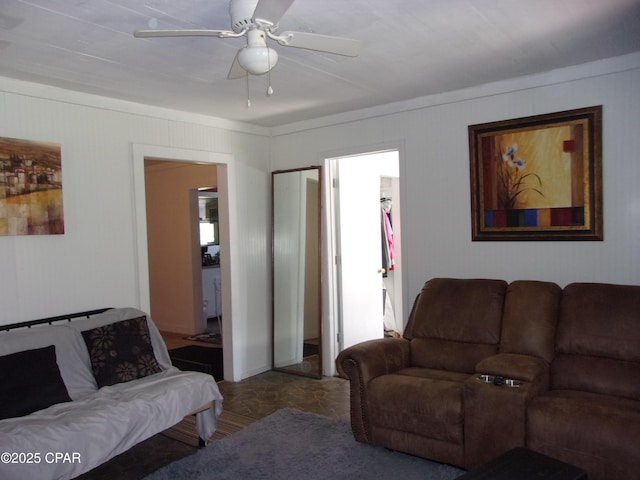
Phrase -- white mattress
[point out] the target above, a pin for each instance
(105, 424)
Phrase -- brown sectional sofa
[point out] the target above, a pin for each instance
(574, 354)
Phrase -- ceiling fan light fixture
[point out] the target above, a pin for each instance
(258, 20)
(257, 60)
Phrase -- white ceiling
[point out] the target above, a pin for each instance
(412, 48)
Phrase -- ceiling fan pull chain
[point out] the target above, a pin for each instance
(269, 87)
(248, 97)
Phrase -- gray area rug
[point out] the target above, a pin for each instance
(290, 444)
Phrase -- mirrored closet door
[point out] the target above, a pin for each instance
(296, 268)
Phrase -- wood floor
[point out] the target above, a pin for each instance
(177, 340)
(252, 398)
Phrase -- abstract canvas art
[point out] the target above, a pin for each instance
(30, 188)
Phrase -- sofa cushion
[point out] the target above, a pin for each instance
(411, 401)
(596, 432)
(455, 323)
(463, 310)
(121, 351)
(434, 374)
(71, 354)
(596, 375)
(597, 340)
(600, 320)
(530, 318)
(448, 355)
(30, 381)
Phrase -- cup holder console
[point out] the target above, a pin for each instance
(498, 380)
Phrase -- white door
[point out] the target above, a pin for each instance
(359, 250)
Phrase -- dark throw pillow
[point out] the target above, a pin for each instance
(30, 381)
(121, 351)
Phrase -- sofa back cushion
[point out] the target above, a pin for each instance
(454, 323)
(597, 340)
(530, 317)
(448, 355)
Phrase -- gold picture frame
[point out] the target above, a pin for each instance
(538, 177)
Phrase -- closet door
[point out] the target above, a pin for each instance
(360, 254)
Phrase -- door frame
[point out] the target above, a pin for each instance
(225, 173)
(331, 287)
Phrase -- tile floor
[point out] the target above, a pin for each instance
(255, 397)
(263, 394)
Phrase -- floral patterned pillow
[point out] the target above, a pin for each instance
(121, 351)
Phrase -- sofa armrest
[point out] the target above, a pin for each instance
(360, 364)
(373, 358)
(515, 366)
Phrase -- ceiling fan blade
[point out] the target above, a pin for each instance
(182, 33)
(236, 71)
(321, 43)
(271, 10)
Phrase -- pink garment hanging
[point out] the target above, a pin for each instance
(389, 238)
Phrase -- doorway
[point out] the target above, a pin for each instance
(175, 259)
(183, 160)
(364, 242)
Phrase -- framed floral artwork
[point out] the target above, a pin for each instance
(538, 178)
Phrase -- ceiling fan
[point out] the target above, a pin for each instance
(258, 20)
